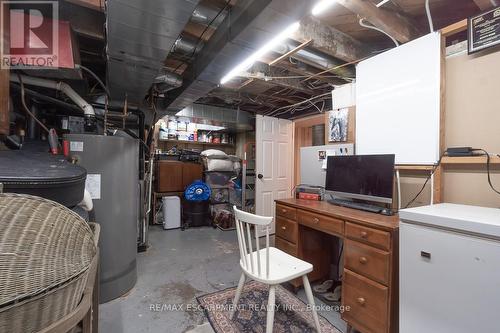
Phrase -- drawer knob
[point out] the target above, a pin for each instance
(363, 260)
(283, 210)
(316, 220)
(361, 300)
(283, 227)
(364, 234)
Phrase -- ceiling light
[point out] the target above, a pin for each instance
(321, 6)
(243, 66)
(383, 2)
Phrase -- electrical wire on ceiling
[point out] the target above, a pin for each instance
(429, 16)
(275, 112)
(369, 26)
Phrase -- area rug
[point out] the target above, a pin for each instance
(291, 314)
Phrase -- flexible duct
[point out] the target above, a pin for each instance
(204, 15)
(168, 81)
(87, 109)
(186, 45)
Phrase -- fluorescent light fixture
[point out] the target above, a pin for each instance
(383, 2)
(321, 6)
(243, 66)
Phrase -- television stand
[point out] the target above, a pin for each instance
(356, 205)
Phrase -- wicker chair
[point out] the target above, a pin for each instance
(48, 266)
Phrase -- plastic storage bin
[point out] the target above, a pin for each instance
(171, 212)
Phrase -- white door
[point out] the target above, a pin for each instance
(274, 163)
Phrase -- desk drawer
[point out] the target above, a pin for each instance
(367, 260)
(286, 229)
(285, 211)
(368, 302)
(286, 246)
(320, 222)
(368, 235)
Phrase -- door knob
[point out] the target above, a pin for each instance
(260, 176)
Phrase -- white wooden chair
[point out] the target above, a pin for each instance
(268, 265)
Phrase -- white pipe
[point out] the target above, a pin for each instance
(432, 188)
(398, 180)
(86, 203)
(369, 26)
(88, 110)
(429, 16)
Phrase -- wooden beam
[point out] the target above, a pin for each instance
(290, 53)
(395, 24)
(92, 4)
(300, 68)
(454, 28)
(329, 40)
(485, 4)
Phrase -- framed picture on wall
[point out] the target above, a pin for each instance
(337, 125)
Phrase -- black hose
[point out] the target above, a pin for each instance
(96, 78)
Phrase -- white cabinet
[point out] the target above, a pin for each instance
(449, 276)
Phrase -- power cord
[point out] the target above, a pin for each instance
(488, 158)
(426, 181)
(488, 170)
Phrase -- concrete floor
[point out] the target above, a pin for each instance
(178, 266)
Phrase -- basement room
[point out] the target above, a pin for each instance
(249, 166)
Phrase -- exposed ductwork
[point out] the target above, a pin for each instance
(187, 45)
(87, 109)
(203, 15)
(234, 119)
(249, 25)
(140, 34)
(167, 81)
(206, 15)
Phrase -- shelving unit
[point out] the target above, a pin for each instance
(199, 143)
(469, 160)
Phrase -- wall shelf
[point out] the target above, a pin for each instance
(469, 160)
(199, 143)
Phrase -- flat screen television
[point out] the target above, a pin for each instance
(365, 177)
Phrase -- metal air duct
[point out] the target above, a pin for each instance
(168, 81)
(204, 15)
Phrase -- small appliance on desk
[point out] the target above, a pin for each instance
(360, 181)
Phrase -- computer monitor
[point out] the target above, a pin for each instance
(365, 177)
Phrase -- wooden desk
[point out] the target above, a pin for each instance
(371, 242)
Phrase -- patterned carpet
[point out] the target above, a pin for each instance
(291, 314)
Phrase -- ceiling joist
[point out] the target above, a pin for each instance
(398, 26)
(485, 4)
(329, 40)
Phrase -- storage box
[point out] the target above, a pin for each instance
(215, 178)
(219, 195)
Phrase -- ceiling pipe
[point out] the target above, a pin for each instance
(429, 16)
(313, 58)
(87, 109)
(369, 26)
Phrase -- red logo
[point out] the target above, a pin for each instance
(31, 31)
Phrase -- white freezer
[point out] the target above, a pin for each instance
(449, 269)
